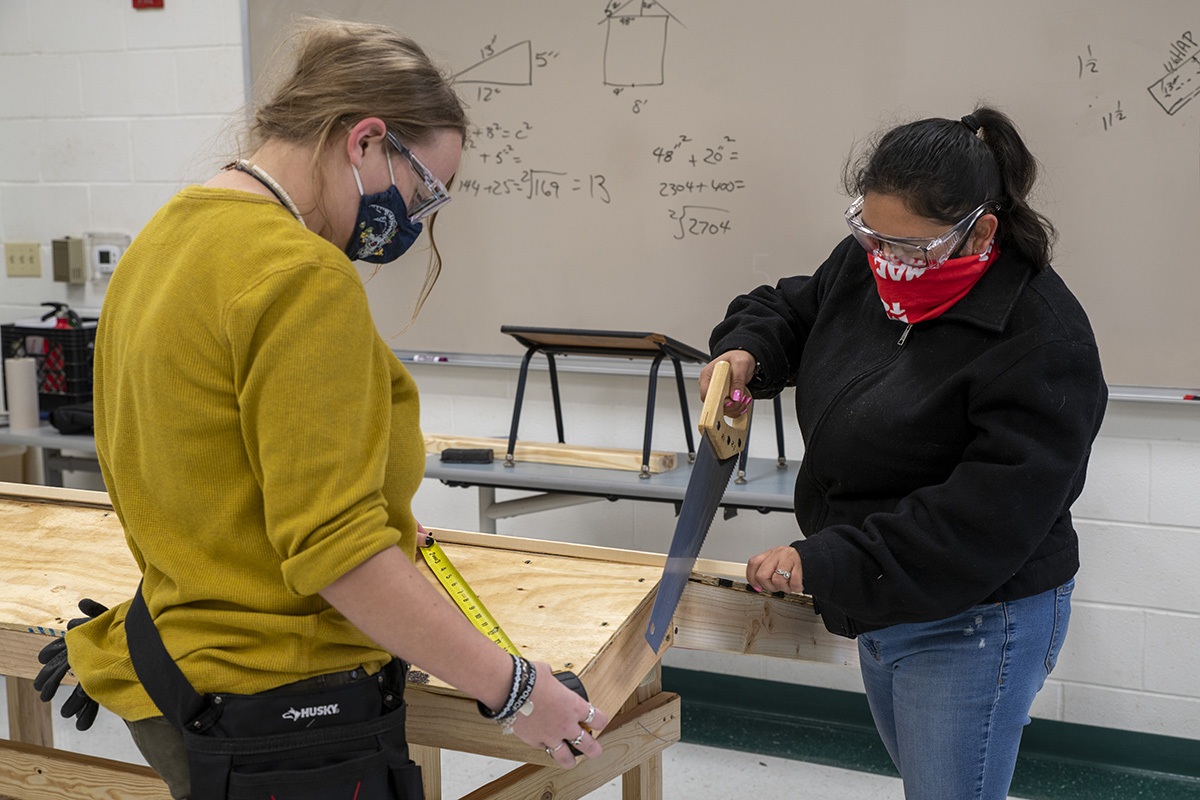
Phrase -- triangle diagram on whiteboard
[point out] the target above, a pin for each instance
(512, 66)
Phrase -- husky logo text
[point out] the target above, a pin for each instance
(292, 715)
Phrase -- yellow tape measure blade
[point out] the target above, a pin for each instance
(464, 597)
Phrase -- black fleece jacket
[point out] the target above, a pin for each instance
(941, 459)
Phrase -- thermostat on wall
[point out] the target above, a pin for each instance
(104, 251)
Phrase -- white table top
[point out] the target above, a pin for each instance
(46, 435)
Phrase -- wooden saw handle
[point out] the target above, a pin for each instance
(727, 437)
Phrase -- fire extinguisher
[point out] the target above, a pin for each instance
(53, 377)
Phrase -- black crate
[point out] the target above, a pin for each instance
(64, 361)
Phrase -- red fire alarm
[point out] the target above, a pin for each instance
(147, 3)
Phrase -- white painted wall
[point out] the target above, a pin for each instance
(106, 111)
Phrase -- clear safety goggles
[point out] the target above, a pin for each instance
(431, 193)
(929, 253)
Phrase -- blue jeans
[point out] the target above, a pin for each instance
(950, 698)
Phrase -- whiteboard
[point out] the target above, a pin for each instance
(635, 165)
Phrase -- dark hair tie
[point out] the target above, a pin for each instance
(972, 123)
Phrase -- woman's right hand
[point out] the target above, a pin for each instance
(558, 718)
(741, 371)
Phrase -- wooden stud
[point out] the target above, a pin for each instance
(556, 453)
(30, 772)
(644, 782)
(429, 759)
(732, 620)
(29, 718)
(631, 738)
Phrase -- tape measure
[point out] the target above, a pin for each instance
(463, 596)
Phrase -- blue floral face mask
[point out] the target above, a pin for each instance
(382, 231)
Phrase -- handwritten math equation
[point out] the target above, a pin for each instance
(685, 150)
(537, 184)
(693, 169)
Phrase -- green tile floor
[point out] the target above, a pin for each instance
(1057, 762)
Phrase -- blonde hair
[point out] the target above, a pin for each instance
(342, 73)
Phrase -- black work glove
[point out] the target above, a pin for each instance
(54, 656)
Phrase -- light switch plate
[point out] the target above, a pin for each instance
(23, 259)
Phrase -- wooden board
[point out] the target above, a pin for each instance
(54, 555)
(554, 453)
(557, 608)
(554, 607)
(29, 772)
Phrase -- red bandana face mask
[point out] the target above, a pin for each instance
(914, 293)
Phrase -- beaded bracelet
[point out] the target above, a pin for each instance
(524, 676)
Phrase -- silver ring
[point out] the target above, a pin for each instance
(591, 714)
(552, 750)
(787, 576)
(575, 742)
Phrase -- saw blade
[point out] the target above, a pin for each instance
(706, 487)
(721, 441)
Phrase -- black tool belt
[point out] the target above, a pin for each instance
(340, 741)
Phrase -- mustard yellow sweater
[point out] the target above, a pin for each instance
(258, 440)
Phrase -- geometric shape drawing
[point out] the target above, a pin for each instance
(635, 46)
(512, 66)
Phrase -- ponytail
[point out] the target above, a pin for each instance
(1029, 231)
(945, 169)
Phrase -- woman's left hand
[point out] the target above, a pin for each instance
(776, 570)
(422, 536)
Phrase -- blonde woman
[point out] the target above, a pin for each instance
(260, 444)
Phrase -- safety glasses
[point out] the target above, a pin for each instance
(929, 253)
(431, 193)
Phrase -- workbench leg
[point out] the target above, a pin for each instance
(29, 718)
(644, 782)
(429, 759)
(487, 499)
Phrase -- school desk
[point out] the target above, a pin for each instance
(577, 607)
(766, 486)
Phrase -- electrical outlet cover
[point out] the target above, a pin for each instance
(23, 259)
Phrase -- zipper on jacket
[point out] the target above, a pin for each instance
(807, 464)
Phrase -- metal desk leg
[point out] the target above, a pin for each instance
(782, 462)
(741, 470)
(554, 393)
(650, 415)
(687, 420)
(51, 466)
(487, 499)
(516, 419)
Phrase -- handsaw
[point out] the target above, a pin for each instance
(721, 440)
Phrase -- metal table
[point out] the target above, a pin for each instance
(767, 487)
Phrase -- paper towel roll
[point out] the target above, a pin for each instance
(21, 390)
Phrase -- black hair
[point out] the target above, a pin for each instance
(944, 169)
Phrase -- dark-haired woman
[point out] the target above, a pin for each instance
(949, 389)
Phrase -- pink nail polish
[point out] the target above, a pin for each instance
(736, 396)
